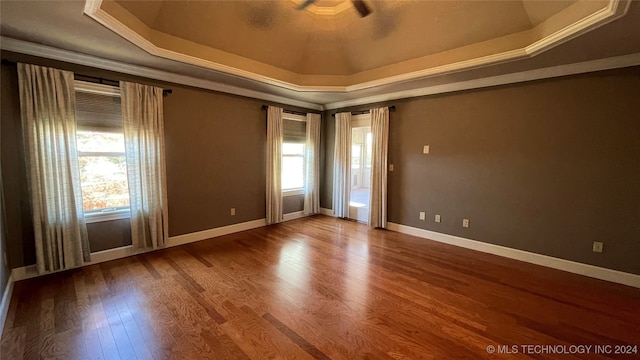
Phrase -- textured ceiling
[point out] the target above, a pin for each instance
(274, 33)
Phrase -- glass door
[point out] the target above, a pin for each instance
(361, 149)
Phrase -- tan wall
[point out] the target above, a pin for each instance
(215, 149)
(547, 166)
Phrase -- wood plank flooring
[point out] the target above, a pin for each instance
(316, 288)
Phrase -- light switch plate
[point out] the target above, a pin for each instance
(425, 149)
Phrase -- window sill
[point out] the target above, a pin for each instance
(107, 216)
(292, 192)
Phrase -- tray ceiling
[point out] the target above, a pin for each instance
(133, 41)
(307, 50)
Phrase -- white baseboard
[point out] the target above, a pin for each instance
(30, 271)
(328, 212)
(293, 215)
(533, 258)
(220, 231)
(24, 272)
(6, 301)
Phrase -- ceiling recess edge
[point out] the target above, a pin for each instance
(614, 10)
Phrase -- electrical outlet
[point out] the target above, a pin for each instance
(390, 167)
(465, 223)
(437, 218)
(233, 211)
(597, 246)
(422, 215)
(425, 149)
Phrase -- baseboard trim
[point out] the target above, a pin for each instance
(328, 212)
(293, 215)
(526, 256)
(6, 301)
(215, 232)
(30, 271)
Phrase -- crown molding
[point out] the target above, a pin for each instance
(614, 10)
(513, 78)
(49, 52)
(28, 48)
(93, 10)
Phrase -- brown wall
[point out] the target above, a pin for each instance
(5, 271)
(215, 157)
(293, 203)
(106, 235)
(327, 144)
(547, 166)
(19, 226)
(215, 146)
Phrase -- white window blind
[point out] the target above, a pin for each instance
(294, 131)
(98, 112)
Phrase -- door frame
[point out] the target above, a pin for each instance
(359, 213)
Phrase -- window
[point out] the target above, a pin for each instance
(355, 156)
(369, 145)
(101, 155)
(292, 166)
(293, 154)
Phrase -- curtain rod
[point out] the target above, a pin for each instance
(109, 82)
(93, 79)
(391, 108)
(265, 107)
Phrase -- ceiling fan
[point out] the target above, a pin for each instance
(359, 5)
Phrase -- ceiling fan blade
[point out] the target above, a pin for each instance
(303, 5)
(361, 7)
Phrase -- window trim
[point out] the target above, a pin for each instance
(107, 214)
(294, 117)
(102, 153)
(296, 191)
(93, 88)
(293, 192)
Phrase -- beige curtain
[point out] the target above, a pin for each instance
(142, 120)
(380, 136)
(47, 108)
(342, 165)
(274, 165)
(312, 166)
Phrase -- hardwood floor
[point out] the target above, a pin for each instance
(318, 288)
